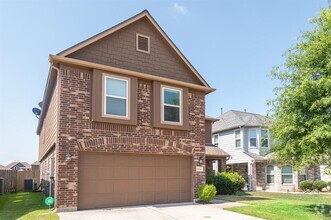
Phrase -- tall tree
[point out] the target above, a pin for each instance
(301, 111)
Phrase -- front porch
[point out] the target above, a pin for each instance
(215, 159)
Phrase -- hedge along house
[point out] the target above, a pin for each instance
(123, 121)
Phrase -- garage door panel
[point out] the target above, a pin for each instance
(110, 180)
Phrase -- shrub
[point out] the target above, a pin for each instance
(329, 186)
(207, 192)
(319, 185)
(226, 182)
(306, 185)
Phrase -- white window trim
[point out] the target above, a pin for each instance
(281, 172)
(180, 105)
(267, 137)
(249, 138)
(266, 171)
(137, 43)
(235, 139)
(217, 139)
(127, 98)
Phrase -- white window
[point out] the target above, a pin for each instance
(264, 138)
(303, 175)
(252, 137)
(270, 174)
(215, 139)
(116, 97)
(171, 105)
(287, 175)
(237, 138)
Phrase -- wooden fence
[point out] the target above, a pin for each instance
(14, 179)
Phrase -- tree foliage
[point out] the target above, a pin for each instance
(301, 112)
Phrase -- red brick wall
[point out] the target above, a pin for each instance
(75, 122)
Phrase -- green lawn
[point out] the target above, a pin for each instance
(24, 206)
(279, 206)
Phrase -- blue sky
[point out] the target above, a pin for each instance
(233, 44)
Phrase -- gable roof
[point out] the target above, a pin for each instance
(21, 164)
(235, 119)
(143, 14)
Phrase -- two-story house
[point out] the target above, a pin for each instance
(245, 136)
(122, 121)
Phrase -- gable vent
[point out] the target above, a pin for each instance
(143, 43)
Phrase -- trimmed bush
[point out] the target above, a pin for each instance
(329, 186)
(306, 185)
(226, 183)
(319, 185)
(207, 192)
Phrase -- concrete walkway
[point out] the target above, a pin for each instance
(179, 211)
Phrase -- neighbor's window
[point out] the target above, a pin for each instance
(264, 138)
(303, 175)
(252, 137)
(270, 174)
(116, 97)
(237, 138)
(215, 139)
(171, 105)
(287, 174)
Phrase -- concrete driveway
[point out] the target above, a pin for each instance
(158, 212)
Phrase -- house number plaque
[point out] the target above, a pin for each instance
(199, 169)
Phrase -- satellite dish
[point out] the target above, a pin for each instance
(36, 112)
(40, 104)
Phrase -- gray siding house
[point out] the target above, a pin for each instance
(245, 136)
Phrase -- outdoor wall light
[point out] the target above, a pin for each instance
(201, 160)
(68, 156)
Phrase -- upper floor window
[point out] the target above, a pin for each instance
(287, 174)
(116, 97)
(264, 138)
(252, 137)
(270, 174)
(171, 105)
(215, 139)
(237, 138)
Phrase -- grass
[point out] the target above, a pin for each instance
(279, 206)
(24, 206)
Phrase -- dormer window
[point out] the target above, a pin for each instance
(142, 43)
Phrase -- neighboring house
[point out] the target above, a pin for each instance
(35, 165)
(215, 156)
(123, 121)
(19, 166)
(245, 136)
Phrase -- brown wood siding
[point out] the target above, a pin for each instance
(109, 180)
(119, 50)
(48, 134)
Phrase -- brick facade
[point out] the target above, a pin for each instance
(75, 123)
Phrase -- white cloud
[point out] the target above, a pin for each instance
(180, 8)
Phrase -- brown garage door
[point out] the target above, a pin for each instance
(108, 180)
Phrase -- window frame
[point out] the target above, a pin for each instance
(264, 129)
(216, 143)
(249, 138)
(270, 174)
(235, 139)
(137, 43)
(287, 174)
(163, 88)
(104, 94)
(303, 172)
